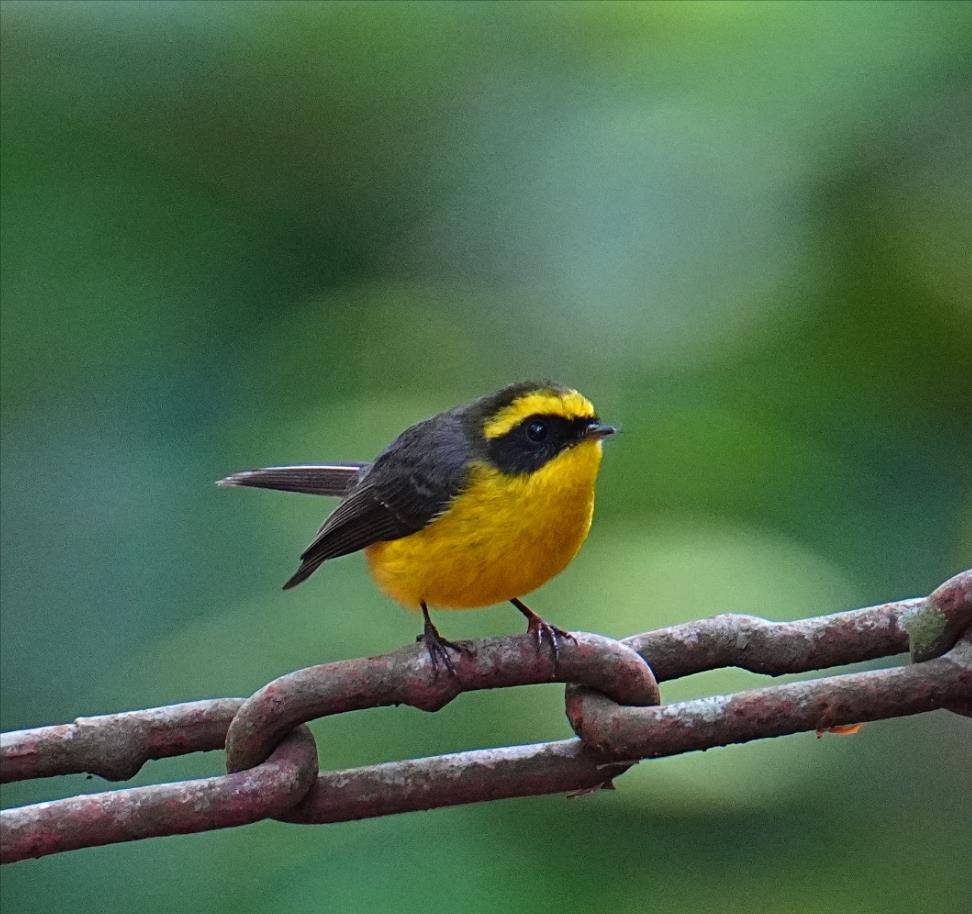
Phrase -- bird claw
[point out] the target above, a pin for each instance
(541, 629)
(439, 647)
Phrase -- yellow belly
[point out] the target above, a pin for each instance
(501, 538)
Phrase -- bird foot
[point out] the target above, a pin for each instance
(541, 629)
(439, 647)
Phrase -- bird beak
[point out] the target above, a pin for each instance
(597, 430)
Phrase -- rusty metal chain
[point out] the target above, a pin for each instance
(612, 704)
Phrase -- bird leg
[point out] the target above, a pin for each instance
(437, 646)
(542, 629)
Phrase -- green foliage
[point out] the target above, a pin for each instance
(237, 234)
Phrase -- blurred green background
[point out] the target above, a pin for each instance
(239, 234)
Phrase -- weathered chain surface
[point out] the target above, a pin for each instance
(612, 705)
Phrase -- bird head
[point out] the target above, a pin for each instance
(524, 426)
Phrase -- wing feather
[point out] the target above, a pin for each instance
(360, 520)
(410, 484)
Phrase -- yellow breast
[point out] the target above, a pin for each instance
(501, 538)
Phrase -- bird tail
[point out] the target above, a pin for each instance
(303, 573)
(331, 479)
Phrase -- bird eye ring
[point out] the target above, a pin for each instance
(536, 430)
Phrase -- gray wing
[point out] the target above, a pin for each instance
(410, 484)
(330, 479)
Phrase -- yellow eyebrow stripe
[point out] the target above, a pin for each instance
(570, 405)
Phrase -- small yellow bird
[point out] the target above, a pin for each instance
(477, 505)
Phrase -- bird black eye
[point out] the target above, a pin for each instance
(536, 430)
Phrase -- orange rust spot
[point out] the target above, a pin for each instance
(841, 730)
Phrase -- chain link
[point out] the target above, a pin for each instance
(612, 704)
